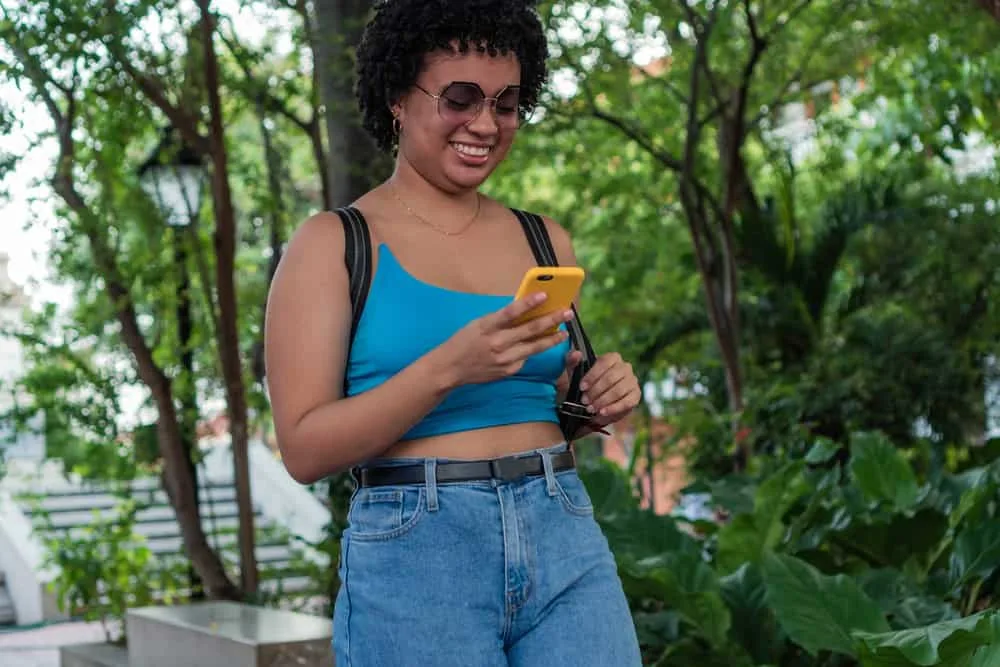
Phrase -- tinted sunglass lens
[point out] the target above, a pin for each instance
(508, 107)
(460, 101)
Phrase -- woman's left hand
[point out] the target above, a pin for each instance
(610, 389)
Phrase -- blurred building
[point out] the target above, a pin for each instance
(13, 303)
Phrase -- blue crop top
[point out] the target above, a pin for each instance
(404, 318)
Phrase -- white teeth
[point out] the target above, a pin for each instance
(477, 151)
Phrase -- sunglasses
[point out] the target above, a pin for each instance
(461, 103)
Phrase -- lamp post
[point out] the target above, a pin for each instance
(174, 177)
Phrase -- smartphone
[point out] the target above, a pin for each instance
(560, 283)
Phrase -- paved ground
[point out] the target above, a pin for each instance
(40, 647)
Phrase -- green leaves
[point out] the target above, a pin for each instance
(688, 585)
(881, 472)
(749, 536)
(822, 451)
(813, 562)
(948, 643)
(896, 539)
(754, 624)
(819, 612)
(976, 553)
(989, 656)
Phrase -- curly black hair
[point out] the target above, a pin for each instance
(402, 32)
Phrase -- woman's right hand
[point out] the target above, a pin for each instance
(495, 346)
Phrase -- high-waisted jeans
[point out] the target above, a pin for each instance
(480, 574)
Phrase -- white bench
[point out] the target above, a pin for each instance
(226, 634)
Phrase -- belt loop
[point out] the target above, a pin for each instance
(550, 476)
(430, 480)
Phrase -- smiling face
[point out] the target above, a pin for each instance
(437, 139)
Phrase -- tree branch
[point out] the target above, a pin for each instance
(63, 183)
(185, 123)
(307, 26)
(40, 80)
(677, 325)
(181, 119)
(311, 127)
(258, 92)
(790, 16)
(703, 29)
(666, 83)
(205, 280)
(693, 17)
(751, 22)
(814, 47)
(666, 159)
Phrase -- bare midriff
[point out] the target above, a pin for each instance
(485, 443)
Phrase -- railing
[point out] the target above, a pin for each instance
(21, 558)
(277, 499)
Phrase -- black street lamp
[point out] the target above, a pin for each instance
(174, 176)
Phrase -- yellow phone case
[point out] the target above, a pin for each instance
(560, 283)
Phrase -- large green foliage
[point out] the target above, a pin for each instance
(872, 562)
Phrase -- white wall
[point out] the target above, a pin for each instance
(21, 558)
(29, 446)
(279, 497)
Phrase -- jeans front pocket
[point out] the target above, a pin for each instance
(384, 513)
(573, 493)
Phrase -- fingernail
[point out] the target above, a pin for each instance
(590, 409)
(586, 401)
(584, 386)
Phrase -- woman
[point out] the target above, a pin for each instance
(472, 540)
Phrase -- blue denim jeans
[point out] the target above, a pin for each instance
(480, 574)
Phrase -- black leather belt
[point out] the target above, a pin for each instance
(506, 469)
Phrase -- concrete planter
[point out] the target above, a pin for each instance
(99, 654)
(224, 634)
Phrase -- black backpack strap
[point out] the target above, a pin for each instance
(358, 259)
(573, 413)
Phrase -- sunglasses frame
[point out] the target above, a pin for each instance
(520, 116)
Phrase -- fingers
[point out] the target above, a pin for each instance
(607, 392)
(621, 407)
(573, 360)
(608, 384)
(600, 368)
(540, 327)
(526, 348)
(507, 315)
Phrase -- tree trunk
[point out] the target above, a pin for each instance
(353, 161)
(228, 340)
(183, 494)
(188, 420)
(991, 6)
(180, 488)
(272, 161)
(177, 469)
(720, 297)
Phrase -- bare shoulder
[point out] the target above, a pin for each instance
(562, 242)
(320, 234)
(307, 324)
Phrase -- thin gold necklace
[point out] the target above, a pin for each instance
(430, 224)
